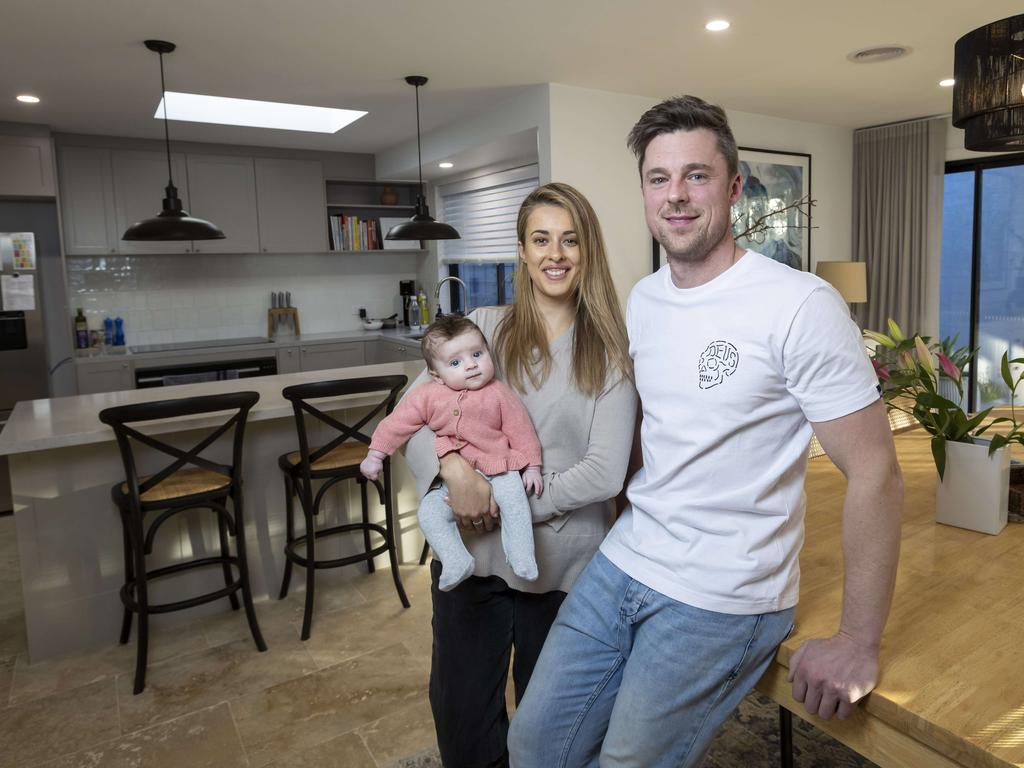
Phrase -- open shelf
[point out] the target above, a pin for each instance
(373, 206)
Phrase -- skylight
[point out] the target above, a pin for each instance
(196, 108)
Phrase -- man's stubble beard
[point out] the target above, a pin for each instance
(698, 248)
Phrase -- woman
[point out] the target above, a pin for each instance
(562, 346)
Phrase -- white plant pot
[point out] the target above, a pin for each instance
(976, 489)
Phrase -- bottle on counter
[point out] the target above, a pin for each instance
(81, 330)
(424, 309)
(108, 332)
(118, 332)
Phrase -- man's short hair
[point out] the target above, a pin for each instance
(684, 113)
(445, 328)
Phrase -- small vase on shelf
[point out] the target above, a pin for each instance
(389, 196)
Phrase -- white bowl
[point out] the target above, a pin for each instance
(372, 325)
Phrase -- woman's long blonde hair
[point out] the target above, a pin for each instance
(599, 337)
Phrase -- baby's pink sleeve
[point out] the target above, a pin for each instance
(402, 423)
(517, 425)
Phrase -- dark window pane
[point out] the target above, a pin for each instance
(482, 280)
(955, 276)
(1001, 300)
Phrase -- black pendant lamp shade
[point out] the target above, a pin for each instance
(988, 95)
(422, 225)
(173, 222)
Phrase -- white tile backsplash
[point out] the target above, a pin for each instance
(190, 297)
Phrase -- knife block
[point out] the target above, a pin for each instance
(276, 315)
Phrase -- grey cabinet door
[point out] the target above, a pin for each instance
(115, 376)
(289, 360)
(320, 357)
(392, 352)
(223, 189)
(139, 181)
(292, 206)
(87, 201)
(26, 166)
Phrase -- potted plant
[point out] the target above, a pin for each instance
(922, 378)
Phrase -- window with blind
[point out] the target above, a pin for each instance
(484, 212)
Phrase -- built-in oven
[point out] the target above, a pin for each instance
(169, 375)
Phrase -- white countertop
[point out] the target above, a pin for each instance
(268, 349)
(38, 425)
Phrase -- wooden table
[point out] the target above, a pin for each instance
(951, 691)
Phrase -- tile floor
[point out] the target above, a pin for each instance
(352, 696)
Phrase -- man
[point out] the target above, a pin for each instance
(737, 359)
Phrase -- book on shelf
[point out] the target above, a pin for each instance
(351, 233)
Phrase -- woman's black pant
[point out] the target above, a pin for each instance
(475, 627)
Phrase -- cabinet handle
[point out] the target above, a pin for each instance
(113, 250)
(124, 365)
(195, 250)
(264, 250)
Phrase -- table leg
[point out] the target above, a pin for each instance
(785, 738)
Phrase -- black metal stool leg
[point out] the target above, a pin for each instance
(785, 738)
(142, 602)
(307, 613)
(289, 517)
(129, 575)
(243, 573)
(225, 551)
(366, 521)
(425, 553)
(389, 527)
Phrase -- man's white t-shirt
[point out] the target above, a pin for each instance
(730, 375)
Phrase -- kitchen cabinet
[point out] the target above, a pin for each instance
(288, 360)
(291, 207)
(222, 189)
(87, 201)
(26, 166)
(319, 357)
(388, 351)
(113, 376)
(139, 181)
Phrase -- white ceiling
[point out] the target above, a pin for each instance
(787, 58)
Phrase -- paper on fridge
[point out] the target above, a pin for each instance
(17, 292)
(17, 251)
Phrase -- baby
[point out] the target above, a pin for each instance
(482, 419)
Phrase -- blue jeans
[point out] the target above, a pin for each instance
(629, 677)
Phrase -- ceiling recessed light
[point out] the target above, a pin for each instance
(947, 83)
(446, 165)
(196, 108)
(717, 25)
(28, 98)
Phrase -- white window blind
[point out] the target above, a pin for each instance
(485, 216)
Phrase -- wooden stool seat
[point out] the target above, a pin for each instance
(184, 482)
(345, 455)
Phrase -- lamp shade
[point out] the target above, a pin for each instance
(850, 278)
(988, 92)
(173, 223)
(422, 226)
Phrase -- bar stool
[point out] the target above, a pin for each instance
(188, 482)
(333, 462)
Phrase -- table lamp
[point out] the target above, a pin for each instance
(850, 278)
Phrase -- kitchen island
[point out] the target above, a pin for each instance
(63, 463)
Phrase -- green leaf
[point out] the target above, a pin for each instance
(930, 399)
(998, 441)
(980, 417)
(1004, 368)
(939, 454)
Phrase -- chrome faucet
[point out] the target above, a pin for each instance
(437, 293)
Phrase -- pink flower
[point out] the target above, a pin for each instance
(948, 367)
(881, 371)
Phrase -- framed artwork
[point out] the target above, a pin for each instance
(773, 184)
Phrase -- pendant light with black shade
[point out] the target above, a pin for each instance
(173, 222)
(988, 88)
(422, 225)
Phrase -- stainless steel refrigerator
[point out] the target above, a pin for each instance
(35, 331)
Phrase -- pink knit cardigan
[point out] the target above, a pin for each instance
(489, 427)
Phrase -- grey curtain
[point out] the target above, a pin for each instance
(897, 222)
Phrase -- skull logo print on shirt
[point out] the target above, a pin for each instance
(717, 362)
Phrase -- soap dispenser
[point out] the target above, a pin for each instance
(424, 309)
